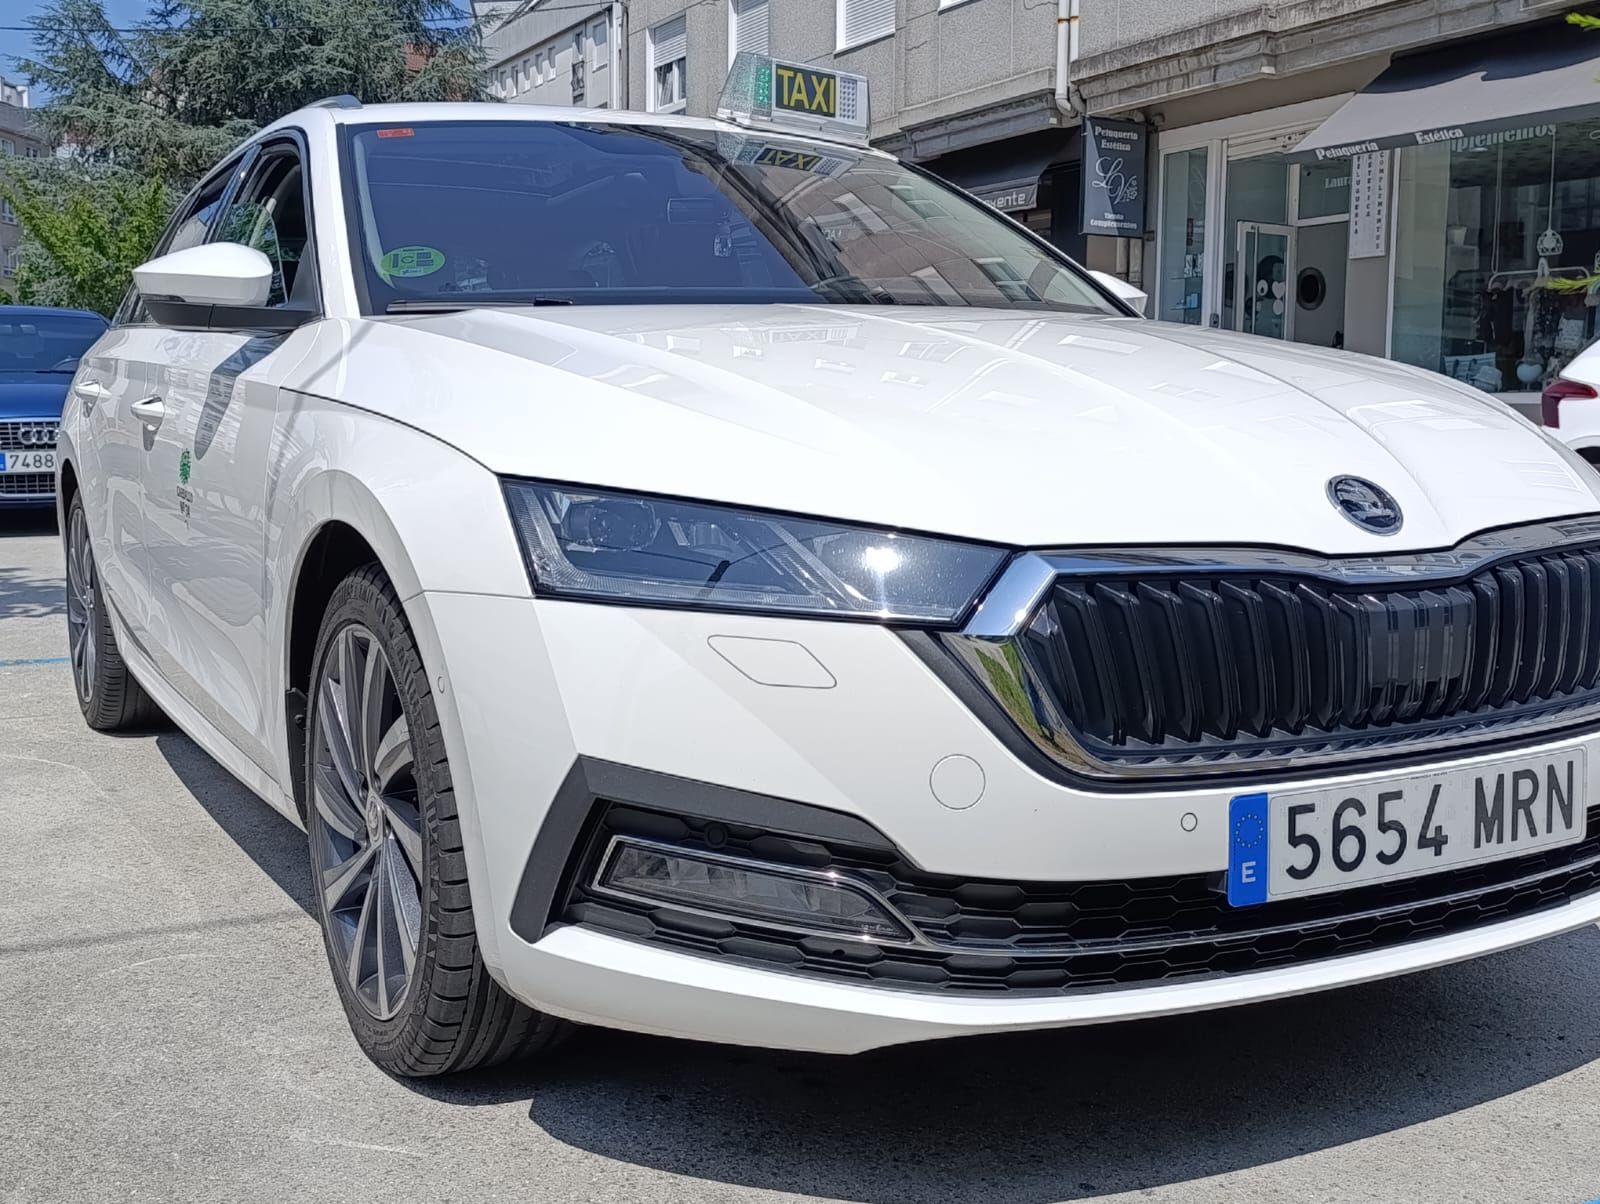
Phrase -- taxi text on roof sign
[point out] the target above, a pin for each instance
(764, 93)
(805, 90)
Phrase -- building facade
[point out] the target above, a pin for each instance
(964, 87)
(18, 137)
(1417, 179)
(556, 53)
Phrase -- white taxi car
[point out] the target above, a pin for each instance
(707, 579)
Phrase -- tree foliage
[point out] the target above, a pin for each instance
(87, 228)
(167, 97)
(144, 111)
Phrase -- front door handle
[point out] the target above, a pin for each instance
(91, 393)
(149, 411)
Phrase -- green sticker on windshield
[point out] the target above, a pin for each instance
(411, 261)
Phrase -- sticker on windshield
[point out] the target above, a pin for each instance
(411, 261)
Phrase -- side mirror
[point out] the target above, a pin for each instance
(218, 273)
(1121, 289)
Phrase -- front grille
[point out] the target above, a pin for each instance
(1047, 938)
(27, 435)
(27, 484)
(1133, 667)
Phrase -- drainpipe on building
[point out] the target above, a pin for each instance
(621, 59)
(1066, 20)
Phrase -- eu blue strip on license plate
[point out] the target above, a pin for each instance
(1247, 849)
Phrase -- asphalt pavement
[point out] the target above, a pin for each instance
(168, 1033)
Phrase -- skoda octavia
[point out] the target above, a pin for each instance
(708, 578)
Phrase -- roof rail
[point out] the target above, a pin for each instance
(343, 101)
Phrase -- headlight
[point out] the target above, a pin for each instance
(651, 551)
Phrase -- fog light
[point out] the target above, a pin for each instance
(808, 900)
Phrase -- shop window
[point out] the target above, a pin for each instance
(1183, 237)
(1497, 254)
(1324, 189)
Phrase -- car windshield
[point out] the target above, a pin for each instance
(506, 212)
(46, 342)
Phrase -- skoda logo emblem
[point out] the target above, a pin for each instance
(1364, 504)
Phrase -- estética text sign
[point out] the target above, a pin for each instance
(1113, 177)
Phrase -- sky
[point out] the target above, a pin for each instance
(16, 43)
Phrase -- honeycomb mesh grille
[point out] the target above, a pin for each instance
(1053, 937)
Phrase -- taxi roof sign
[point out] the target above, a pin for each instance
(767, 93)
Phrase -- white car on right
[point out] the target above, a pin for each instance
(1569, 407)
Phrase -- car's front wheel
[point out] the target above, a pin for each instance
(109, 697)
(386, 854)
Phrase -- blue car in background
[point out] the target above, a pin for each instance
(39, 350)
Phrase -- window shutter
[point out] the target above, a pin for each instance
(668, 41)
(750, 26)
(863, 20)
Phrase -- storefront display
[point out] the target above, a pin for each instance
(1496, 254)
(1182, 232)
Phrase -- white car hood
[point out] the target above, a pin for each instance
(1020, 428)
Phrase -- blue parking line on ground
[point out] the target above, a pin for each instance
(38, 660)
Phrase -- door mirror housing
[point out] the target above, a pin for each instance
(218, 273)
(1121, 289)
(215, 286)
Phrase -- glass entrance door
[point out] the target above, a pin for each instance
(1262, 303)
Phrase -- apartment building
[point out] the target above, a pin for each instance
(554, 52)
(1418, 179)
(965, 87)
(17, 137)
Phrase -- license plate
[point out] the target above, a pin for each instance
(1307, 842)
(29, 461)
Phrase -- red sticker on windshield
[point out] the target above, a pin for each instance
(401, 131)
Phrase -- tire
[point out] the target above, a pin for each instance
(388, 873)
(109, 697)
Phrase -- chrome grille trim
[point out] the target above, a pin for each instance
(1184, 662)
(28, 434)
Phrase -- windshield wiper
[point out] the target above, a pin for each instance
(450, 305)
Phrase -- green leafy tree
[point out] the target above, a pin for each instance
(169, 96)
(143, 112)
(86, 230)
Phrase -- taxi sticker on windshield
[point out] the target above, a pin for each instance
(411, 261)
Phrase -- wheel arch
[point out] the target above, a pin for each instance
(342, 527)
(66, 479)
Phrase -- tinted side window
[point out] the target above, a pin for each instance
(196, 222)
(188, 228)
(269, 213)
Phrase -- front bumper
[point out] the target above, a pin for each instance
(606, 980)
(836, 716)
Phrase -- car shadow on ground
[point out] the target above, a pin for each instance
(1074, 1113)
(24, 594)
(266, 837)
(1029, 1117)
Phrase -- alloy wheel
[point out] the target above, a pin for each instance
(368, 829)
(82, 630)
